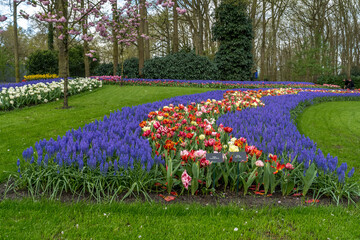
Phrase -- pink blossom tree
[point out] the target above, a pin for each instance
(121, 29)
(15, 5)
(70, 20)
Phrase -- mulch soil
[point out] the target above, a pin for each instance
(219, 198)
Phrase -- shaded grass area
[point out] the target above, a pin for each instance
(335, 127)
(21, 128)
(53, 220)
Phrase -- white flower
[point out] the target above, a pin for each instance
(233, 148)
(145, 129)
(12, 102)
(236, 229)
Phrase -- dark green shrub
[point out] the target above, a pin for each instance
(338, 80)
(42, 62)
(181, 65)
(76, 62)
(355, 70)
(103, 69)
(131, 68)
(233, 30)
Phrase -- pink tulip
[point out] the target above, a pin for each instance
(186, 179)
(184, 153)
(289, 166)
(156, 125)
(146, 133)
(259, 163)
(200, 153)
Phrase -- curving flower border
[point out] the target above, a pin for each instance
(209, 83)
(189, 132)
(113, 145)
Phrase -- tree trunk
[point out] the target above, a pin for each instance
(64, 65)
(50, 36)
(86, 59)
(64, 52)
(263, 43)
(140, 38)
(176, 29)
(86, 45)
(253, 20)
(122, 60)
(16, 43)
(115, 40)
(273, 47)
(167, 29)
(115, 54)
(201, 28)
(147, 40)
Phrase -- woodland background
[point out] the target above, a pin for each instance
(294, 40)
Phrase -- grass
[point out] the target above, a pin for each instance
(334, 126)
(53, 220)
(25, 219)
(21, 128)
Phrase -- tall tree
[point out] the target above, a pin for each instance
(233, 31)
(175, 45)
(140, 42)
(68, 15)
(16, 41)
(114, 38)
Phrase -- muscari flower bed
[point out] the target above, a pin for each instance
(109, 158)
(13, 96)
(209, 83)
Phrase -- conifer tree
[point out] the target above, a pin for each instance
(233, 31)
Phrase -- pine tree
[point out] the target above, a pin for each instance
(233, 30)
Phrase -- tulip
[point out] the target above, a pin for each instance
(259, 163)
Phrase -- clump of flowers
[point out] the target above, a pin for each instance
(39, 76)
(42, 92)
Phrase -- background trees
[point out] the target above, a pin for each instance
(293, 39)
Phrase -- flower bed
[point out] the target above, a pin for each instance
(35, 92)
(209, 83)
(108, 157)
(40, 76)
(14, 85)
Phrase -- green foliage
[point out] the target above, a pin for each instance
(181, 65)
(76, 61)
(355, 71)
(6, 64)
(42, 62)
(338, 80)
(233, 30)
(131, 67)
(103, 69)
(306, 65)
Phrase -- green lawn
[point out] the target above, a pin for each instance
(25, 219)
(21, 128)
(53, 220)
(335, 127)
